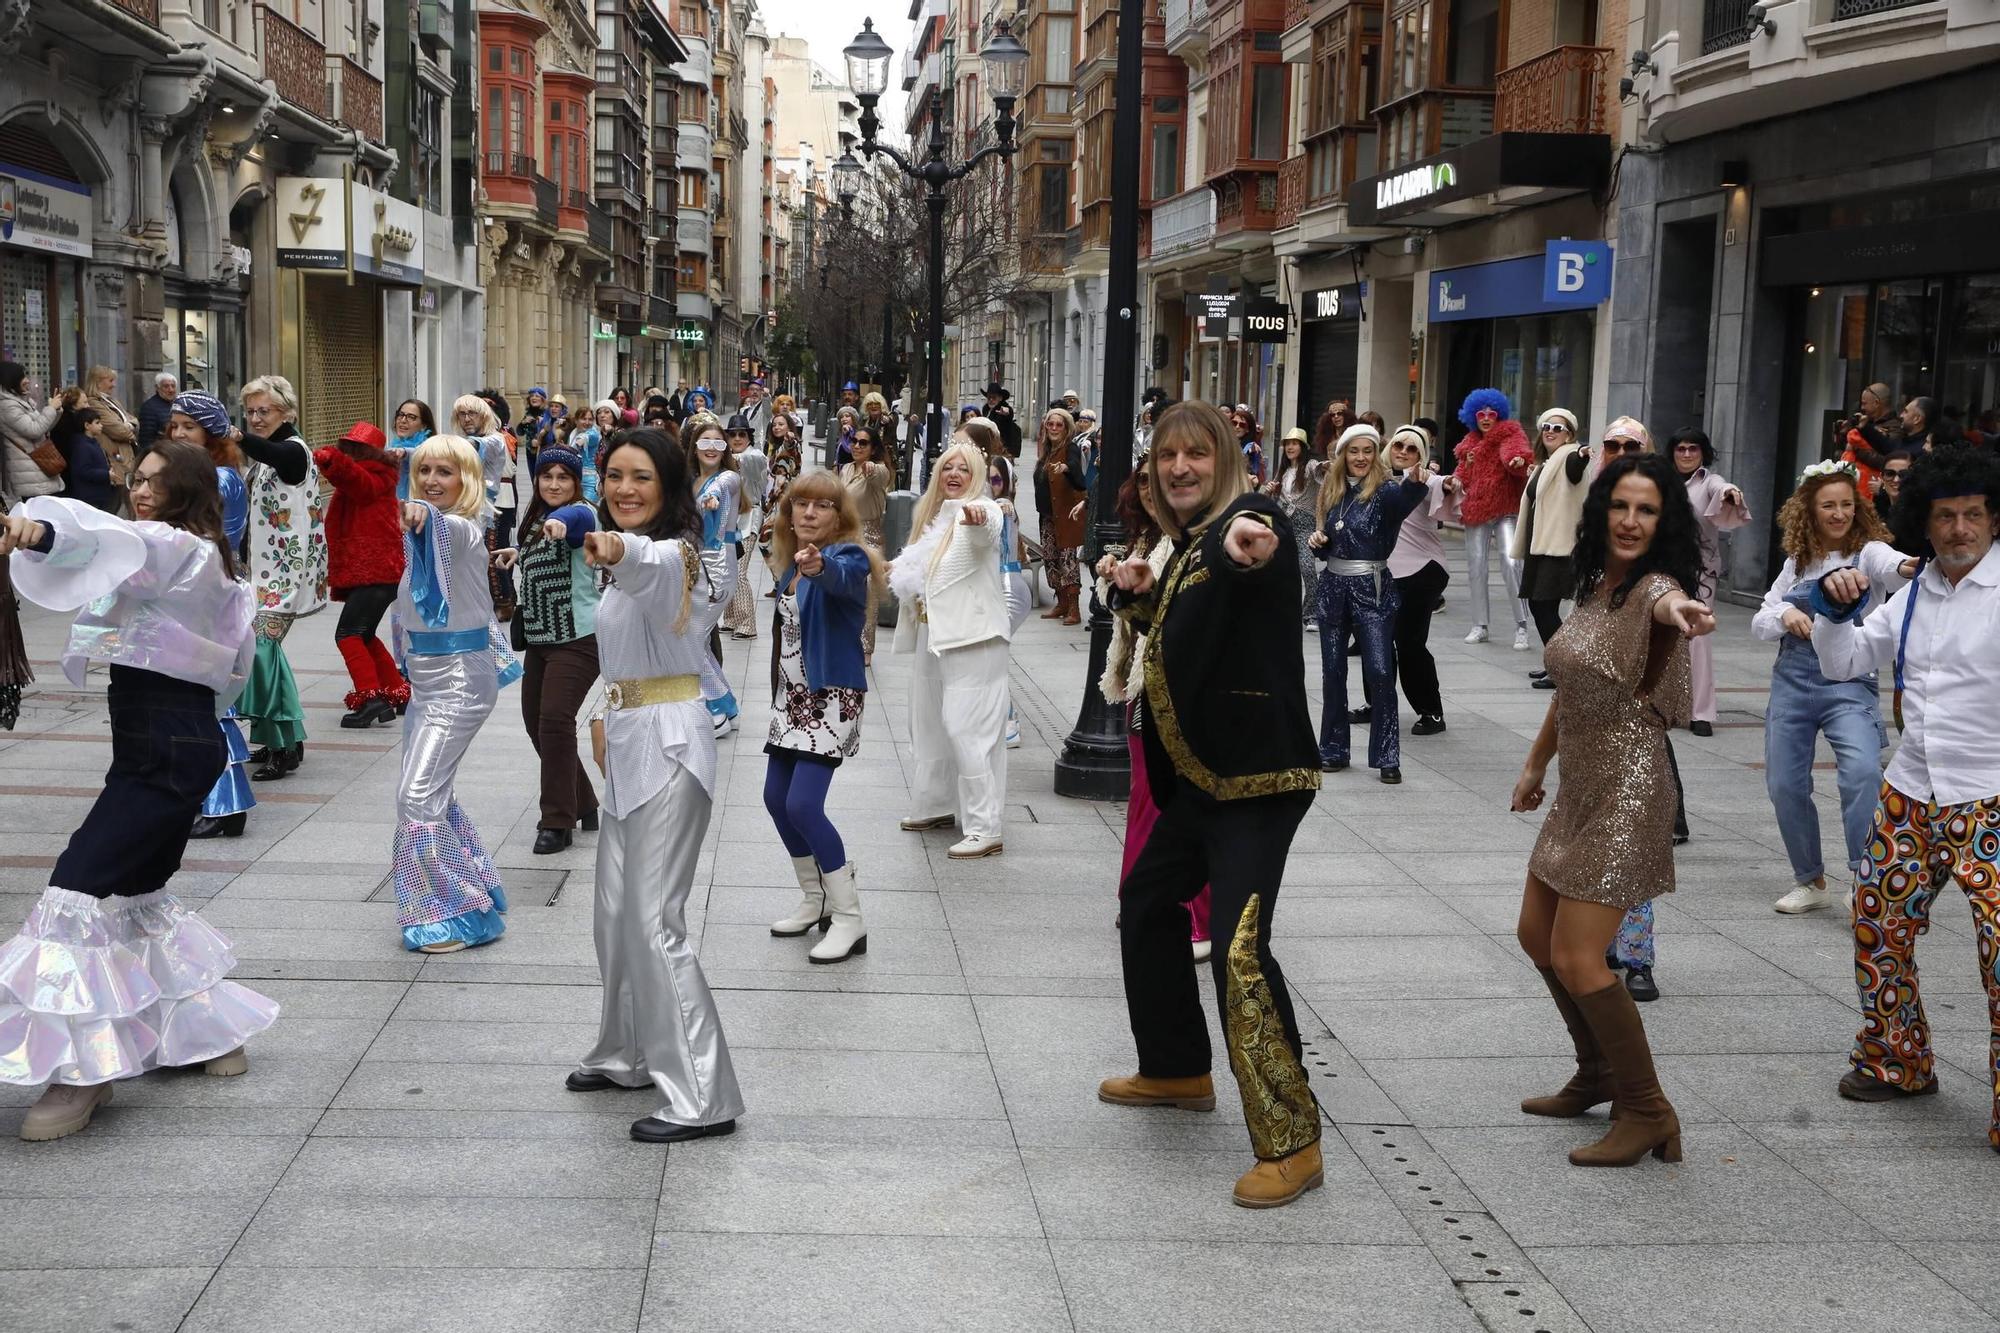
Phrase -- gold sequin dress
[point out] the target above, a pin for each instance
(1609, 836)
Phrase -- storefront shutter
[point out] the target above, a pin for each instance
(342, 381)
(25, 315)
(1329, 349)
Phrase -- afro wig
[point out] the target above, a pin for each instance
(1944, 473)
(1483, 398)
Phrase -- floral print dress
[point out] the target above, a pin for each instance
(823, 723)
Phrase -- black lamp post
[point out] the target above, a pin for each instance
(1005, 61)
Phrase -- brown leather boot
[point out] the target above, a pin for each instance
(1190, 1094)
(1070, 615)
(1275, 1184)
(1590, 1085)
(1055, 612)
(1646, 1122)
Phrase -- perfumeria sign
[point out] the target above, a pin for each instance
(1416, 183)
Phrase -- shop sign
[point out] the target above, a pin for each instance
(38, 212)
(1407, 187)
(604, 331)
(387, 235)
(1266, 320)
(1530, 164)
(312, 222)
(1521, 286)
(1333, 302)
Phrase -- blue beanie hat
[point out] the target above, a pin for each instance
(205, 410)
(556, 457)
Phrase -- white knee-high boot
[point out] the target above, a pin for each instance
(811, 910)
(847, 936)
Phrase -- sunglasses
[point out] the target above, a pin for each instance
(1616, 447)
(1555, 428)
(1687, 448)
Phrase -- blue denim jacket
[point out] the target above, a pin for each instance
(832, 606)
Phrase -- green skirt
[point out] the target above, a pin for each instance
(270, 702)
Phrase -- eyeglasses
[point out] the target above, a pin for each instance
(1616, 447)
(409, 416)
(142, 482)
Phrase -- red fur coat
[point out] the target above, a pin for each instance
(364, 538)
(1492, 471)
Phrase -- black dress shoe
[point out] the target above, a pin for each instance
(1702, 728)
(228, 826)
(1547, 682)
(1362, 714)
(652, 1129)
(1332, 765)
(550, 840)
(273, 771)
(1392, 776)
(1639, 983)
(589, 822)
(1538, 675)
(370, 713)
(588, 1080)
(1430, 724)
(1856, 1086)
(260, 755)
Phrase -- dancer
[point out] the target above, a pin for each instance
(1489, 473)
(1718, 507)
(559, 598)
(111, 975)
(15, 670)
(413, 424)
(1296, 488)
(1119, 685)
(1551, 504)
(818, 688)
(1416, 562)
(364, 538)
(1000, 485)
(199, 419)
(589, 445)
(741, 616)
(1360, 515)
(1229, 757)
(868, 479)
(1940, 811)
(719, 496)
(953, 616)
(1824, 526)
(480, 423)
(288, 571)
(448, 894)
(1058, 474)
(659, 1024)
(1620, 665)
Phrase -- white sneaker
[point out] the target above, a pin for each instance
(724, 724)
(1478, 634)
(1804, 898)
(1013, 734)
(1520, 638)
(1201, 949)
(972, 846)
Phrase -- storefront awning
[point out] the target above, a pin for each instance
(1498, 172)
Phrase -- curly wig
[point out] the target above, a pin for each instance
(1945, 472)
(1676, 547)
(1468, 411)
(1799, 535)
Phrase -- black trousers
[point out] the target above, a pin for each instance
(555, 680)
(166, 752)
(1237, 848)
(361, 614)
(1415, 666)
(1548, 617)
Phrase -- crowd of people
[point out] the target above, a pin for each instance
(617, 548)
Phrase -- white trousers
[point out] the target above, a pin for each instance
(1482, 544)
(958, 725)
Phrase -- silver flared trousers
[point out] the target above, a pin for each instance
(659, 1022)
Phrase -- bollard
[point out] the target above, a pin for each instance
(895, 536)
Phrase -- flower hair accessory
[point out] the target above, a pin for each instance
(1828, 467)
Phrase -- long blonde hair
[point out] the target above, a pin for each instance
(489, 421)
(464, 455)
(820, 485)
(1333, 487)
(1204, 421)
(933, 497)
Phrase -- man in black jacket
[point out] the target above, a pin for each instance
(154, 412)
(1233, 765)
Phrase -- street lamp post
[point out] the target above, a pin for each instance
(1005, 60)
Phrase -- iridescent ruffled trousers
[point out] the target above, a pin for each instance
(231, 794)
(659, 1023)
(93, 990)
(446, 885)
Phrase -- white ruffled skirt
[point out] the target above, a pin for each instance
(93, 990)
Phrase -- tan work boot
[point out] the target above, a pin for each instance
(1190, 1094)
(1275, 1184)
(63, 1109)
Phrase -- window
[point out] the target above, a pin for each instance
(555, 163)
(496, 59)
(517, 122)
(519, 60)
(1472, 44)
(1267, 113)
(1061, 58)
(1054, 218)
(694, 189)
(428, 167)
(1166, 161)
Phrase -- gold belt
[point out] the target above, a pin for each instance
(649, 690)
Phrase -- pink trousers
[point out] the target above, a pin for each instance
(1140, 816)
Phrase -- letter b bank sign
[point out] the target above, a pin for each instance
(1576, 273)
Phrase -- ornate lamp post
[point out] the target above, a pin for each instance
(1005, 61)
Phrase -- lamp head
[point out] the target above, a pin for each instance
(1006, 64)
(867, 63)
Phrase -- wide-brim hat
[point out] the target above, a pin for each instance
(120, 553)
(998, 390)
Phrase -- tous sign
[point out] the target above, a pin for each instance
(1415, 183)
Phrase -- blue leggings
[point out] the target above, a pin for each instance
(795, 794)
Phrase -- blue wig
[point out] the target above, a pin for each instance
(1481, 398)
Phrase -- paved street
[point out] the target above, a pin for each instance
(923, 1147)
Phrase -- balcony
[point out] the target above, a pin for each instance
(597, 224)
(1431, 121)
(1184, 223)
(692, 230)
(358, 99)
(699, 67)
(659, 311)
(510, 164)
(295, 61)
(1724, 23)
(1561, 92)
(695, 305)
(436, 25)
(1291, 191)
(147, 10)
(1187, 25)
(548, 199)
(696, 143)
(1045, 254)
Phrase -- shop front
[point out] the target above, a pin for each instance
(1329, 348)
(1526, 326)
(45, 231)
(1236, 341)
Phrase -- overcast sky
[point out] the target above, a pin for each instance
(830, 25)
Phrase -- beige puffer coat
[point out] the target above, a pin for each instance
(22, 427)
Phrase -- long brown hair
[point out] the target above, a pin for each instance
(1204, 421)
(820, 485)
(1799, 535)
(190, 498)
